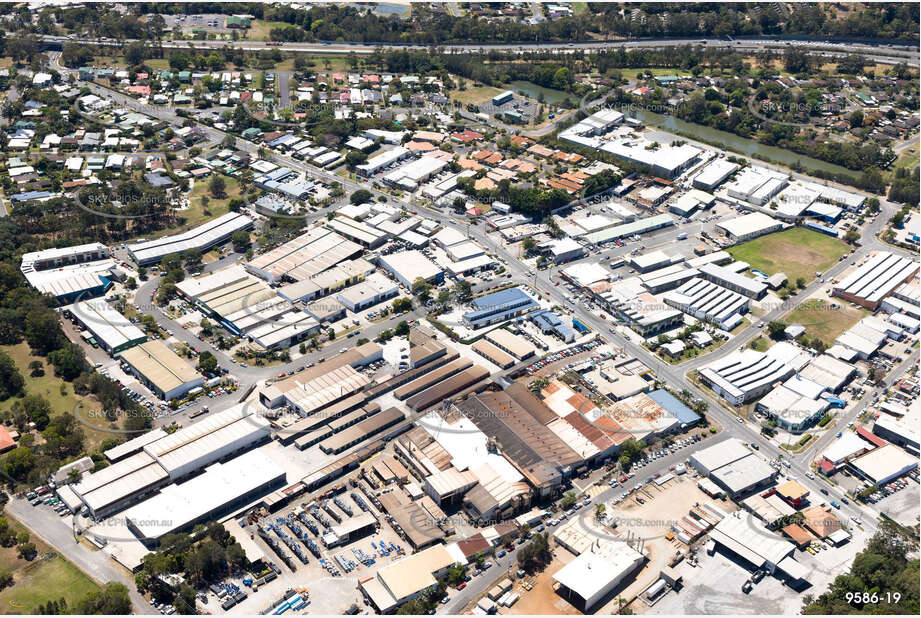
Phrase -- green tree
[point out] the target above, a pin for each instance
(360, 196)
(217, 187)
(776, 329)
(11, 381)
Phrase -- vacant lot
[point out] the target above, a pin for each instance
(260, 29)
(797, 252)
(823, 320)
(39, 581)
(475, 94)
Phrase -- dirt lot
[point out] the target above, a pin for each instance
(542, 599)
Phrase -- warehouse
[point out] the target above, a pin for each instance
(791, 410)
(203, 237)
(304, 256)
(448, 388)
(753, 179)
(744, 475)
(499, 307)
(884, 464)
(314, 389)
(111, 489)
(723, 453)
(714, 174)
(430, 379)
(225, 292)
(524, 440)
(749, 226)
(113, 332)
(640, 226)
(503, 97)
(408, 177)
(512, 344)
(350, 530)
(875, 279)
(743, 376)
(83, 271)
(384, 159)
(221, 488)
(365, 235)
(903, 431)
(665, 161)
(704, 300)
(409, 577)
(407, 266)
(374, 290)
(271, 322)
(589, 578)
(733, 281)
(828, 371)
(652, 261)
(667, 278)
(362, 431)
(134, 445)
(324, 417)
(161, 369)
(748, 538)
(493, 354)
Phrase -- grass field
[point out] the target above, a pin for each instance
(797, 252)
(908, 159)
(259, 29)
(475, 94)
(196, 213)
(823, 320)
(39, 581)
(760, 344)
(59, 393)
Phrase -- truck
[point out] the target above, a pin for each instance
(682, 236)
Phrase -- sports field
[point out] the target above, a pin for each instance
(797, 252)
(823, 320)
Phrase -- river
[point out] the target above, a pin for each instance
(737, 144)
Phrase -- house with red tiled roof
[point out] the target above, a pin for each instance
(415, 146)
(466, 136)
(540, 151)
(521, 141)
(7, 442)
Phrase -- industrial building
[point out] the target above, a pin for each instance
(374, 290)
(219, 489)
(665, 161)
(733, 467)
(705, 300)
(588, 578)
(407, 266)
(70, 273)
(903, 431)
(876, 279)
(448, 388)
(362, 431)
(111, 330)
(362, 233)
(749, 226)
(883, 464)
(757, 185)
(493, 354)
(303, 257)
(748, 538)
(171, 458)
(499, 307)
(409, 577)
(134, 445)
(714, 174)
(640, 226)
(792, 410)
(382, 160)
(161, 369)
(512, 344)
(734, 281)
(743, 376)
(203, 237)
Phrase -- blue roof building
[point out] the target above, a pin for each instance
(498, 307)
(549, 322)
(674, 406)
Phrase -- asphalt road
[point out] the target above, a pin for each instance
(875, 53)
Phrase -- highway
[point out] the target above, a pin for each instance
(882, 54)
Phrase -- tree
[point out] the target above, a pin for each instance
(528, 244)
(191, 257)
(360, 197)
(217, 187)
(229, 142)
(402, 304)
(776, 329)
(444, 298)
(402, 329)
(36, 369)
(11, 381)
(240, 240)
(569, 499)
(422, 289)
(26, 551)
(463, 290)
(207, 362)
(800, 282)
(600, 508)
(112, 599)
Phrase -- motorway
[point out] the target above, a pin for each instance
(674, 375)
(875, 53)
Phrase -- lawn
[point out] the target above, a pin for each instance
(60, 394)
(797, 252)
(908, 159)
(45, 580)
(760, 344)
(39, 581)
(475, 94)
(823, 320)
(259, 29)
(196, 214)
